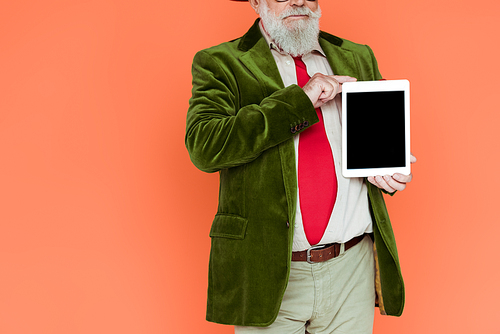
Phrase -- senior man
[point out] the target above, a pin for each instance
(296, 247)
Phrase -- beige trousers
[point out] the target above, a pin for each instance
(336, 296)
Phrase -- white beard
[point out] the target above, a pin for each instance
(296, 38)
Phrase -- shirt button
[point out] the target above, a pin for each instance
(288, 62)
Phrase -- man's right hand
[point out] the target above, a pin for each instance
(323, 88)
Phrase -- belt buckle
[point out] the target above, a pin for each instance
(308, 253)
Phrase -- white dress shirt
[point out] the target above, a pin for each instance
(350, 216)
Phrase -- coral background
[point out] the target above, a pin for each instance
(103, 219)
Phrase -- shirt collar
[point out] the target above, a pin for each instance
(274, 46)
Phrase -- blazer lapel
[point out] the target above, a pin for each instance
(258, 59)
(341, 61)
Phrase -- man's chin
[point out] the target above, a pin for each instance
(295, 23)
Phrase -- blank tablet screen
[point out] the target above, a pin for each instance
(375, 129)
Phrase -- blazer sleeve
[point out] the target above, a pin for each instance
(220, 134)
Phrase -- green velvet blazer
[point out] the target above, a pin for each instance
(239, 124)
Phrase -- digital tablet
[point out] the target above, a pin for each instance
(375, 128)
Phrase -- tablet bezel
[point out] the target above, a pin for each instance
(376, 86)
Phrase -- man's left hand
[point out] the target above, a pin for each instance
(392, 183)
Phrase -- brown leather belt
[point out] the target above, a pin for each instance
(323, 253)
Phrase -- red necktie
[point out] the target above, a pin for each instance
(316, 172)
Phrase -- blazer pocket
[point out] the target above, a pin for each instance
(229, 226)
